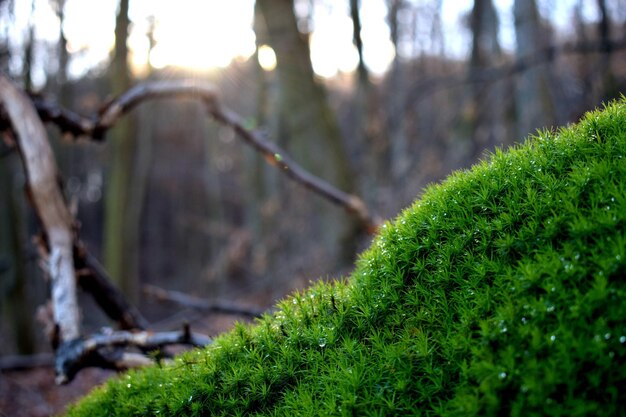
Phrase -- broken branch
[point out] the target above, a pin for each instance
(96, 127)
(105, 350)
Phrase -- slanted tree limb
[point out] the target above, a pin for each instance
(96, 128)
(93, 278)
(49, 203)
(198, 303)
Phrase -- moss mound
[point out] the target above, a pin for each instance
(502, 291)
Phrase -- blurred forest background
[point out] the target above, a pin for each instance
(379, 97)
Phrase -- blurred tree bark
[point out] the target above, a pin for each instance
(367, 138)
(60, 82)
(29, 52)
(15, 303)
(486, 115)
(314, 136)
(533, 103)
(398, 154)
(261, 181)
(120, 229)
(608, 86)
(15, 306)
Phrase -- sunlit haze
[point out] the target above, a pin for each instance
(207, 34)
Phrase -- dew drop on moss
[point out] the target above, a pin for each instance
(502, 375)
(622, 339)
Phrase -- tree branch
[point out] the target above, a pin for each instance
(106, 350)
(198, 303)
(94, 279)
(57, 221)
(75, 125)
(63, 254)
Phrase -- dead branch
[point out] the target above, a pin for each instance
(94, 279)
(107, 350)
(57, 221)
(198, 303)
(96, 127)
(63, 254)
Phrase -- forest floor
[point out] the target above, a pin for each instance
(33, 393)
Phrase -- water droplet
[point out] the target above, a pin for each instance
(322, 342)
(552, 338)
(523, 320)
(128, 385)
(622, 339)
(607, 336)
(502, 375)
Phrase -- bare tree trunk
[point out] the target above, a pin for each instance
(532, 97)
(314, 136)
(608, 86)
(14, 289)
(399, 159)
(260, 181)
(371, 140)
(121, 230)
(29, 52)
(14, 296)
(486, 112)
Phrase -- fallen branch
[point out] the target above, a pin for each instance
(198, 303)
(96, 127)
(106, 350)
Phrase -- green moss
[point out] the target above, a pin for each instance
(500, 292)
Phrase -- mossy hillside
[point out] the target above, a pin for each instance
(502, 291)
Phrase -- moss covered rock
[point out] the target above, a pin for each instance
(502, 291)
